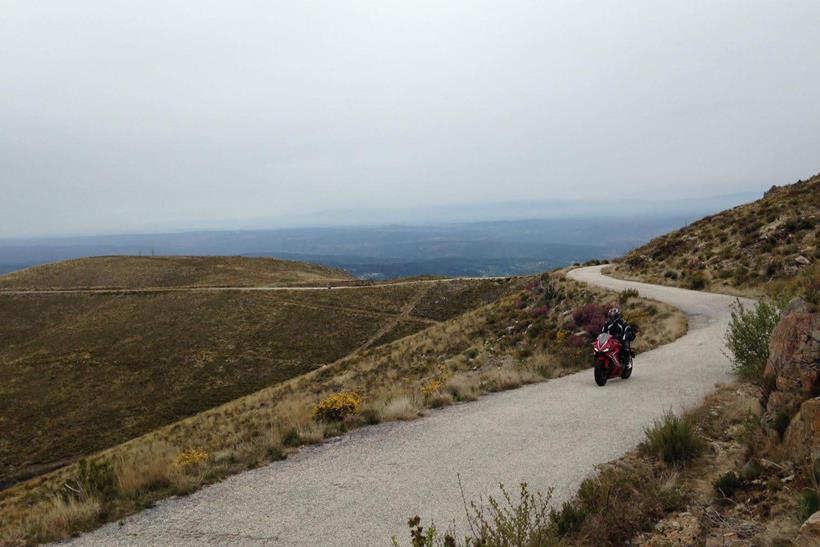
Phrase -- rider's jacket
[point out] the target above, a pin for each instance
(620, 329)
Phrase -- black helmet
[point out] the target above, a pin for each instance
(613, 314)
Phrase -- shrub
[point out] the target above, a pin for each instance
(191, 457)
(590, 317)
(697, 282)
(431, 387)
(672, 440)
(727, 484)
(338, 406)
(747, 339)
(568, 519)
(612, 507)
(626, 294)
(774, 267)
(92, 479)
(540, 311)
(291, 438)
(524, 522)
(809, 503)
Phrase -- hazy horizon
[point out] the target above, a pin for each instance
(132, 118)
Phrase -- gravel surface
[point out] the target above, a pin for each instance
(361, 489)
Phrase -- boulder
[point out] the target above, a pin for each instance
(802, 260)
(802, 437)
(793, 358)
(809, 532)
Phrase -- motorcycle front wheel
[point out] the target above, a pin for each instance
(601, 373)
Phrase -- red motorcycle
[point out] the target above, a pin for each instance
(608, 364)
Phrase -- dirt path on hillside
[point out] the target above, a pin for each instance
(361, 489)
(323, 287)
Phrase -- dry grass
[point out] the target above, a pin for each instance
(400, 407)
(502, 379)
(756, 249)
(58, 518)
(463, 387)
(499, 346)
(147, 468)
(83, 372)
(134, 272)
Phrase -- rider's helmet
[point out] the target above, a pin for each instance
(613, 314)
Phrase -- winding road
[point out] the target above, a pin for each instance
(360, 489)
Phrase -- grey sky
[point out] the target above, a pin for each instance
(136, 116)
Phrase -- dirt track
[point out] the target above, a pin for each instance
(361, 489)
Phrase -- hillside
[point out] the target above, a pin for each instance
(527, 330)
(80, 372)
(766, 246)
(142, 272)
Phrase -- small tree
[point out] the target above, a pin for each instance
(748, 339)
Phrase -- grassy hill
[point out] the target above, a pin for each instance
(766, 246)
(80, 372)
(477, 337)
(143, 272)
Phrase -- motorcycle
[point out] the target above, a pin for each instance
(607, 351)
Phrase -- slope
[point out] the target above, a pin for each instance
(80, 372)
(141, 272)
(528, 330)
(768, 246)
(362, 489)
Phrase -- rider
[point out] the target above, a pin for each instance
(621, 330)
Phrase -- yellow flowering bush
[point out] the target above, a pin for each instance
(336, 407)
(433, 386)
(187, 458)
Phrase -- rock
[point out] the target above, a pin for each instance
(793, 359)
(802, 260)
(810, 531)
(750, 470)
(802, 437)
(682, 530)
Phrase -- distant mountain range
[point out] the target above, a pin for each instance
(512, 237)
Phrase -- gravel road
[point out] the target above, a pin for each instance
(361, 489)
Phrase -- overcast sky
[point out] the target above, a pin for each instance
(142, 116)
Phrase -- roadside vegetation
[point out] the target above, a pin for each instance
(741, 469)
(535, 329)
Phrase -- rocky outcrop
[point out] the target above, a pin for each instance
(802, 438)
(809, 532)
(793, 359)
